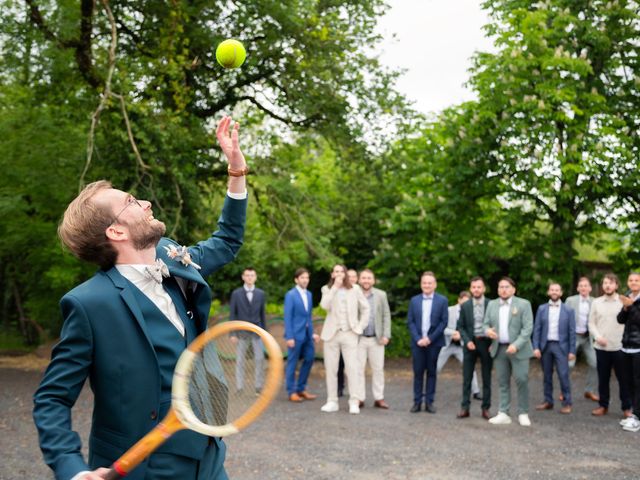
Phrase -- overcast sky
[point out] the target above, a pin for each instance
(434, 42)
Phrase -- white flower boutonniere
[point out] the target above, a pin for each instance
(514, 311)
(181, 255)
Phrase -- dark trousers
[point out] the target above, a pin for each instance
(425, 360)
(553, 355)
(468, 366)
(341, 374)
(606, 362)
(632, 374)
(304, 350)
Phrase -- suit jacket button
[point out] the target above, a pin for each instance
(154, 415)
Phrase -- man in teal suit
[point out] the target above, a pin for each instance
(508, 321)
(126, 326)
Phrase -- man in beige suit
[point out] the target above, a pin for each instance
(347, 316)
(374, 338)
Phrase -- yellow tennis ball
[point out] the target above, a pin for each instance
(231, 54)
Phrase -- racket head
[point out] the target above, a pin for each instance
(205, 394)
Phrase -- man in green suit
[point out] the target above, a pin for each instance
(508, 322)
(126, 326)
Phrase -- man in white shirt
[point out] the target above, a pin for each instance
(581, 305)
(126, 327)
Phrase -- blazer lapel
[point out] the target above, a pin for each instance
(128, 297)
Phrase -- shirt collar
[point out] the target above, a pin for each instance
(505, 302)
(427, 297)
(300, 289)
(133, 271)
(555, 304)
(248, 288)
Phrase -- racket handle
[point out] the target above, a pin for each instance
(145, 446)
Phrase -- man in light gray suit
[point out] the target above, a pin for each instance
(581, 304)
(508, 321)
(373, 339)
(248, 303)
(452, 346)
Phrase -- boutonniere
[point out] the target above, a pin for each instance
(181, 255)
(514, 311)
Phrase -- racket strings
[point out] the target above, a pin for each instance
(226, 378)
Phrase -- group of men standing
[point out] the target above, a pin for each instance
(503, 332)
(500, 332)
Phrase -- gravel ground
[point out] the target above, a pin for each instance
(297, 440)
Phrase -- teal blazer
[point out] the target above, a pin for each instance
(104, 338)
(520, 325)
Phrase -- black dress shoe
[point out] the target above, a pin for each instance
(415, 408)
(476, 396)
(429, 408)
(340, 392)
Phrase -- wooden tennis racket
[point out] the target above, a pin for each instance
(205, 394)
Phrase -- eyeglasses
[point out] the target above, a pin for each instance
(130, 201)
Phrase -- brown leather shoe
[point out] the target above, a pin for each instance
(591, 396)
(381, 404)
(485, 414)
(565, 410)
(600, 411)
(545, 406)
(627, 413)
(360, 404)
(307, 396)
(294, 397)
(464, 413)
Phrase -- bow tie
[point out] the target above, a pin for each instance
(504, 302)
(157, 271)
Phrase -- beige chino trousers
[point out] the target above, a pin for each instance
(347, 343)
(370, 349)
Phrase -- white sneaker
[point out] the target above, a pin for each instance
(632, 426)
(354, 408)
(624, 421)
(330, 407)
(523, 419)
(500, 419)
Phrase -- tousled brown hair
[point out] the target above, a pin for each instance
(83, 225)
(345, 281)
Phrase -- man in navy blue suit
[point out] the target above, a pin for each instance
(126, 326)
(298, 332)
(427, 318)
(554, 341)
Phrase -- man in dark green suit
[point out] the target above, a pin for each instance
(508, 321)
(125, 328)
(475, 345)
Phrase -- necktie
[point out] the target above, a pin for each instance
(157, 271)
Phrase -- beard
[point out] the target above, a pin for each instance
(146, 234)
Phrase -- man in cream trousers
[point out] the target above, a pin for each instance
(347, 316)
(374, 338)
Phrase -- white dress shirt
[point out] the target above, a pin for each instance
(583, 315)
(248, 290)
(154, 292)
(503, 318)
(303, 294)
(553, 333)
(427, 303)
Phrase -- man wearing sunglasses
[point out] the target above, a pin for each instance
(125, 328)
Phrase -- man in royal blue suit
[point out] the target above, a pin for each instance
(554, 341)
(126, 326)
(298, 332)
(427, 318)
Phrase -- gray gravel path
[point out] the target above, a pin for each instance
(297, 441)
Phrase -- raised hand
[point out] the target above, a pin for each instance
(228, 140)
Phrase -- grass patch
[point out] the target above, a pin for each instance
(10, 340)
